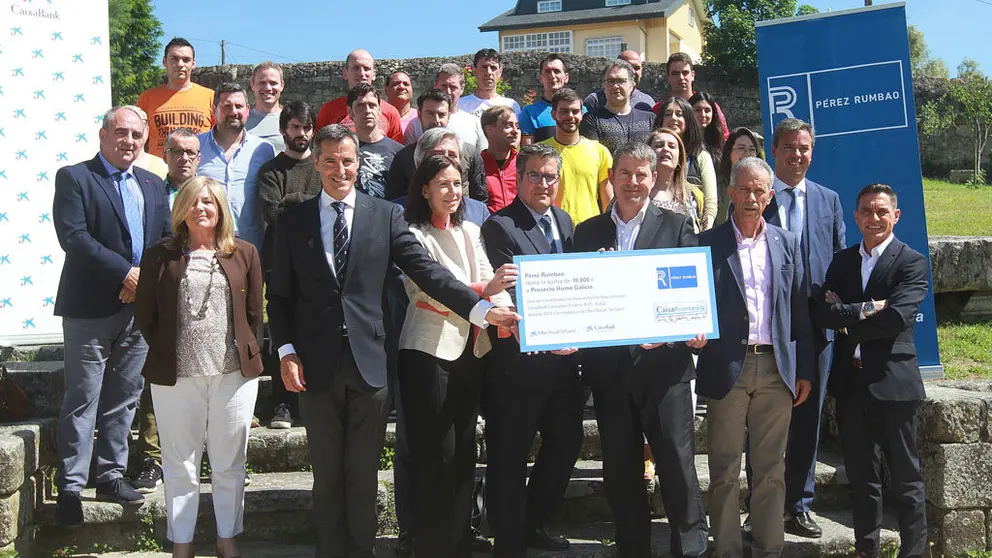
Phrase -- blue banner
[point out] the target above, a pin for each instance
(848, 74)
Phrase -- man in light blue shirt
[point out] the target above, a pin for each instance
(232, 156)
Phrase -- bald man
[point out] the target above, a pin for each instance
(638, 98)
(359, 67)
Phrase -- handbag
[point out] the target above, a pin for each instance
(14, 403)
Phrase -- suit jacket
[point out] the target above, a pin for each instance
(307, 306)
(669, 364)
(157, 306)
(721, 360)
(888, 353)
(90, 224)
(429, 326)
(512, 231)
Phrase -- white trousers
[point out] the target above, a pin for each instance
(218, 410)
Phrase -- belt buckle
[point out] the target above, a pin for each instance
(756, 349)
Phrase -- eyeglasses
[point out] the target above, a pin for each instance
(189, 153)
(745, 149)
(536, 178)
(616, 81)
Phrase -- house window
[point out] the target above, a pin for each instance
(606, 47)
(554, 41)
(617, 3)
(545, 6)
(692, 17)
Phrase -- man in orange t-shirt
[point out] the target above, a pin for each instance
(359, 67)
(179, 103)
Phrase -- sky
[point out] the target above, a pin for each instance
(257, 30)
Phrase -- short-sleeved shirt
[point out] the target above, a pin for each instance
(169, 110)
(613, 130)
(266, 126)
(536, 120)
(466, 127)
(638, 100)
(583, 166)
(476, 106)
(375, 159)
(240, 177)
(336, 112)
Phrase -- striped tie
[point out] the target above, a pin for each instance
(341, 242)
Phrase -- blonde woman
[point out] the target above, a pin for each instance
(671, 190)
(199, 303)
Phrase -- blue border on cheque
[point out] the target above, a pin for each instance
(669, 275)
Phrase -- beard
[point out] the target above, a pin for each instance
(297, 145)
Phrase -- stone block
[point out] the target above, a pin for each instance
(20, 445)
(957, 532)
(44, 384)
(16, 511)
(961, 263)
(952, 415)
(957, 475)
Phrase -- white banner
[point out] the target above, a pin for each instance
(54, 89)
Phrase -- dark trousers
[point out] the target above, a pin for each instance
(148, 445)
(440, 405)
(514, 413)
(346, 424)
(869, 426)
(625, 416)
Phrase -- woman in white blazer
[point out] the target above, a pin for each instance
(440, 366)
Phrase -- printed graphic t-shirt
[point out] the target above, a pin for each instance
(169, 110)
(373, 168)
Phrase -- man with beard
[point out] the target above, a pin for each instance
(232, 156)
(536, 120)
(288, 179)
(399, 93)
(375, 150)
(263, 119)
(359, 67)
(585, 189)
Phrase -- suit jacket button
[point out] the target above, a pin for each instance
(743, 341)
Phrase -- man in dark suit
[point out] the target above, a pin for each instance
(326, 316)
(643, 390)
(871, 297)
(761, 366)
(813, 214)
(526, 393)
(106, 212)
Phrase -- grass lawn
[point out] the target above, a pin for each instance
(956, 210)
(966, 349)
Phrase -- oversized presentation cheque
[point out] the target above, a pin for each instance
(604, 299)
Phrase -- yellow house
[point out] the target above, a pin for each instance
(654, 28)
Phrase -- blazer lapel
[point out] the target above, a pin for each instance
(649, 227)
(771, 212)
(531, 229)
(733, 259)
(560, 219)
(315, 243)
(883, 264)
(148, 193)
(773, 240)
(107, 184)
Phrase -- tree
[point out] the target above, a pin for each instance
(134, 49)
(967, 102)
(730, 31)
(919, 56)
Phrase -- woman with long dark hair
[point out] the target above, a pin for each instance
(704, 107)
(741, 143)
(675, 113)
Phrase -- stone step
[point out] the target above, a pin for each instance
(277, 508)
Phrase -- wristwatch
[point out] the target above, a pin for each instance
(868, 309)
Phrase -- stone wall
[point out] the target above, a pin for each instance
(317, 82)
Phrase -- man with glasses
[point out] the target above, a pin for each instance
(638, 98)
(182, 155)
(618, 122)
(585, 188)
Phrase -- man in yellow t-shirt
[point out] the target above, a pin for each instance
(179, 103)
(585, 189)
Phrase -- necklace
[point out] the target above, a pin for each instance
(205, 305)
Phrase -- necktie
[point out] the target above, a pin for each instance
(793, 216)
(132, 212)
(545, 223)
(341, 242)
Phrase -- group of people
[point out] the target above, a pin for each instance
(384, 230)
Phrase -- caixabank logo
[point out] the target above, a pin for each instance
(840, 101)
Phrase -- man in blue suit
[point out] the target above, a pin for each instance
(106, 212)
(813, 214)
(760, 367)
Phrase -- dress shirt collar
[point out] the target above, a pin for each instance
(780, 186)
(740, 236)
(537, 216)
(112, 170)
(876, 251)
(636, 219)
(213, 139)
(326, 200)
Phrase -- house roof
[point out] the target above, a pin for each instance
(511, 19)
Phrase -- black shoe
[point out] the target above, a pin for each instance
(802, 525)
(746, 528)
(119, 491)
(540, 539)
(69, 509)
(404, 546)
(479, 542)
(150, 477)
(281, 417)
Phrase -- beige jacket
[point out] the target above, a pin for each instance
(430, 326)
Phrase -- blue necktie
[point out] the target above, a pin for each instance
(132, 212)
(545, 223)
(341, 242)
(794, 217)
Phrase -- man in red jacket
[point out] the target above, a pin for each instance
(359, 67)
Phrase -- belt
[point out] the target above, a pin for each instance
(856, 363)
(760, 349)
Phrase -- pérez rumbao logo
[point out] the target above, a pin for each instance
(839, 101)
